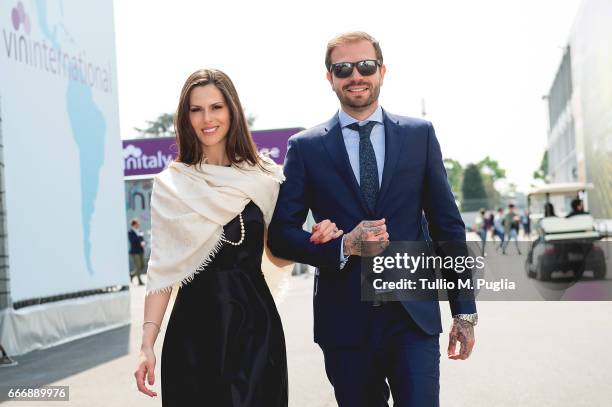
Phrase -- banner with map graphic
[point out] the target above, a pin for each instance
(62, 150)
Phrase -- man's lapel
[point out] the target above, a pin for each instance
(334, 144)
(393, 148)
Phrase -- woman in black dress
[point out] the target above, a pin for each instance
(224, 343)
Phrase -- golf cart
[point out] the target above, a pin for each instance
(564, 244)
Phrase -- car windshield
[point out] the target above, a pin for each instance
(562, 204)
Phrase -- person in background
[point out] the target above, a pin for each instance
(480, 227)
(526, 223)
(511, 227)
(498, 227)
(549, 210)
(136, 250)
(489, 221)
(577, 208)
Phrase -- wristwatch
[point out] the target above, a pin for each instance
(471, 318)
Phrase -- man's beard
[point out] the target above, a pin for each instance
(359, 104)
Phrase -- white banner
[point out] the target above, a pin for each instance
(62, 148)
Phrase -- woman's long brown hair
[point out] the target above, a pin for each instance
(239, 146)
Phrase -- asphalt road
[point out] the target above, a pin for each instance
(527, 354)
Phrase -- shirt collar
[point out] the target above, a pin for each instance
(346, 119)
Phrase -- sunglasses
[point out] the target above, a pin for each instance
(366, 67)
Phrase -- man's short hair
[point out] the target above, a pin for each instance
(348, 37)
(134, 221)
(576, 203)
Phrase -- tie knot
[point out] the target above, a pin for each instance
(365, 130)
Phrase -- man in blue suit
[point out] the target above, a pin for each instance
(375, 174)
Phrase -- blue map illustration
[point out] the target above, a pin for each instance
(87, 123)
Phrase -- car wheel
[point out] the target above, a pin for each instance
(599, 272)
(542, 273)
(529, 269)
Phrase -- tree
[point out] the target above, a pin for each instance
(163, 126)
(474, 194)
(490, 167)
(250, 119)
(491, 172)
(454, 173)
(542, 172)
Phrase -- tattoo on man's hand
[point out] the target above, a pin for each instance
(462, 332)
(363, 232)
(375, 230)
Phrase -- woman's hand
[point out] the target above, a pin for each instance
(146, 369)
(325, 231)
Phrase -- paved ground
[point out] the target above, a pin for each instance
(527, 354)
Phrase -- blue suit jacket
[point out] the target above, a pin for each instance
(135, 242)
(319, 177)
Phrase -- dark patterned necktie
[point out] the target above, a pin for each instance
(368, 170)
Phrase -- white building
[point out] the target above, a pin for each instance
(580, 107)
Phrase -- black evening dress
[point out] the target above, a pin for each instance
(224, 344)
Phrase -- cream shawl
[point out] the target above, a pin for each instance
(189, 207)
